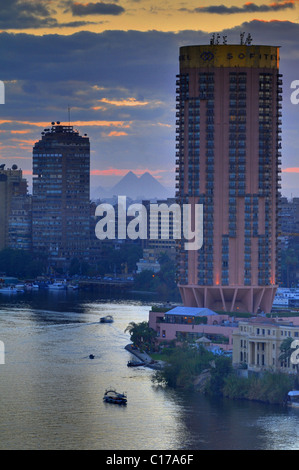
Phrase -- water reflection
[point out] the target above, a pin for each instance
(51, 392)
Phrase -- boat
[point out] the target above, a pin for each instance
(135, 363)
(73, 286)
(107, 319)
(20, 287)
(8, 290)
(57, 286)
(111, 396)
(293, 398)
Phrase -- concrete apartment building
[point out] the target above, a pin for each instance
(13, 188)
(61, 195)
(228, 155)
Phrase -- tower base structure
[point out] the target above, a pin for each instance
(243, 299)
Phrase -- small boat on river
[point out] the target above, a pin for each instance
(107, 319)
(111, 396)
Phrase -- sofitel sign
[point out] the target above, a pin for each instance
(229, 56)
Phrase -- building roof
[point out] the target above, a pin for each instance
(203, 339)
(191, 311)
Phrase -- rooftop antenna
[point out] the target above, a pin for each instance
(248, 39)
(224, 39)
(217, 38)
(242, 38)
(212, 40)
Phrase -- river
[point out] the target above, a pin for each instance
(51, 392)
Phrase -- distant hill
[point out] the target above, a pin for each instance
(134, 187)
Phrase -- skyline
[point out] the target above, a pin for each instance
(118, 77)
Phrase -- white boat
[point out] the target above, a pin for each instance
(8, 290)
(20, 287)
(73, 286)
(293, 398)
(57, 286)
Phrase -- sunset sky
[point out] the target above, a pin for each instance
(115, 64)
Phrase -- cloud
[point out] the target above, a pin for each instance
(290, 170)
(117, 72)
(249, 7)
(31, 14)
(99, 8)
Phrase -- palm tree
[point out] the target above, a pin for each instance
(141, 334)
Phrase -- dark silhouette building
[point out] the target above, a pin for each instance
(61, 195)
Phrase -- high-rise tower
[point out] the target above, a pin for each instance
(61, 194)
(227, 156)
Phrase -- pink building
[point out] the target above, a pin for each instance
(228, 156)
(181, 323)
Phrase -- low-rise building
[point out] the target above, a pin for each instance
(192, 323)
(257, 341)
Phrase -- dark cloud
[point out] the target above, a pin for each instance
(28, 14)
(99, 8)
(249, 7)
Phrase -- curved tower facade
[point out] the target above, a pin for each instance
(228, 151)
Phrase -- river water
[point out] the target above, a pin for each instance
(51, 393)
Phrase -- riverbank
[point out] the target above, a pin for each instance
(144, 358)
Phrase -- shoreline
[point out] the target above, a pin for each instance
(144, 357)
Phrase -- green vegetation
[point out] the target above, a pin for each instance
(22, 264)
(185, 365)
(270, 388)
(141, 335)
(162, 283)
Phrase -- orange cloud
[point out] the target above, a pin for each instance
(125, 102)
(24, 131)
(43, 124)
(290, 170)
(116, 134)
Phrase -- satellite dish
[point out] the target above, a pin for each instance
(14, 167)
(58, 122)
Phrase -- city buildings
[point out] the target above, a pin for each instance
(61, 201)
(228, 155)
(13, 193)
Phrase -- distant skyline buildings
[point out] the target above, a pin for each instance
(124, 102)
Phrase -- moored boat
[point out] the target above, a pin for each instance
(111, 396)
(135, 363)
(57, 286)
(293, 398)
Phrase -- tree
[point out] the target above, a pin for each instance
(141, 334)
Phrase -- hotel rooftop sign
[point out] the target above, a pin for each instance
(229, 55)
